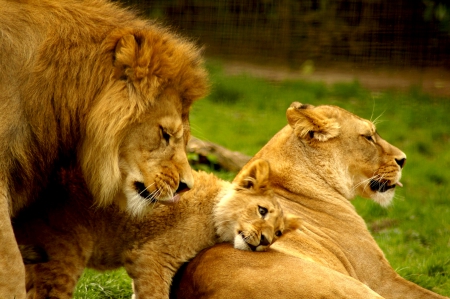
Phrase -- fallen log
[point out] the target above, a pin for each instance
(212, 153)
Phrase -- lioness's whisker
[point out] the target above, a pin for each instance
(366, 182)
(377, 120)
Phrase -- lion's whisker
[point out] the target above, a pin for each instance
(146, 188)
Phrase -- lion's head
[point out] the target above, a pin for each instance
(137, 130)
(93, 76)
(359, 161)
(248, 214)
(152, 159)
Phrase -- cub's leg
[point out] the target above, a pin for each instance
(152, 273)
(54, 279)
(12, 271)
(58, 277)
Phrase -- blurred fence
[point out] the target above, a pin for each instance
(372, 32)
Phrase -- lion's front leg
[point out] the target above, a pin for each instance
(12, 271)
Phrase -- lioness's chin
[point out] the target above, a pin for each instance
(384, 198)
(383, 191)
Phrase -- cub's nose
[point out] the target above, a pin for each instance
(264, 241)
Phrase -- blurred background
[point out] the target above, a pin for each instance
(382, 43)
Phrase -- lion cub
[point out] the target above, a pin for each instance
(152, 248)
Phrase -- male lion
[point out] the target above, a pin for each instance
(84, 83)
(151, 248)
(320, 161)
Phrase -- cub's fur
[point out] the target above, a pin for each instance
(151, 249)
(77, 79)
(33, 254)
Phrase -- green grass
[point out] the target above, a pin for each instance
(243, 113)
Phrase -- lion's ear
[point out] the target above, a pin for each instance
(310, 123)
(292, 222)
(254, 175)
(126, 53)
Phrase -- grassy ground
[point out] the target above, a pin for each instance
(242, 113)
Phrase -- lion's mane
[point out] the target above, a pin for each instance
(73, 76)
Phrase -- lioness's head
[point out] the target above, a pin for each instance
(248, 214)
(138, 126)
(356, 159)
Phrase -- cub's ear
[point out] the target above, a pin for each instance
(311, 123)
(254, 175)
(292, 222)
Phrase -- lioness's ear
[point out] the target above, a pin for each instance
(310, 123)
(292, 222)
(254, 175)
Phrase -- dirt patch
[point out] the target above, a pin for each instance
(434, 81)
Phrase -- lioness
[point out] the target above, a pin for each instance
(321, 160)
(151, 249)
(84, 82)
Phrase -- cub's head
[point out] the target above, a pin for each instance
(347, 151)
(138, 126)
(248, 214)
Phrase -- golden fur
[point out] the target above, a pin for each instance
(320, 161)
(152, 248)
(77, 79)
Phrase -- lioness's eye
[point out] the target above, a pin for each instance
(262, 211)
(278, 233)
(370, 138)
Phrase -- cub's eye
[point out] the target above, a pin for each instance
(278, 233)
(262, 211)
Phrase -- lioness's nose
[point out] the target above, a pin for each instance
(401, 162)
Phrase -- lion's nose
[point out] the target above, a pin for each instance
(401, 162)
(182, 187)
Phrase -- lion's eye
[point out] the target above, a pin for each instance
(278, 233)
(262, 211)
(165, 135)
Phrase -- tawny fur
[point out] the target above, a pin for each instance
(75, 79)
(151, 249)
(314, 177)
